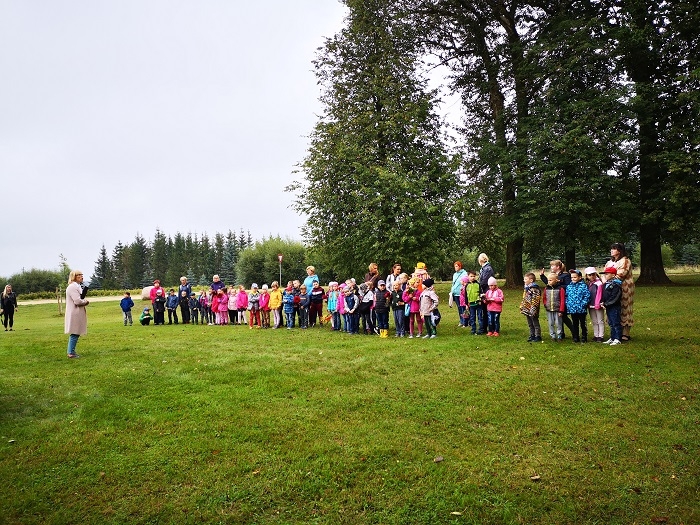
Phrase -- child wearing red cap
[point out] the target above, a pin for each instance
(612, 295)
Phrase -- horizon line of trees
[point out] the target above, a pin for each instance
(259, 263)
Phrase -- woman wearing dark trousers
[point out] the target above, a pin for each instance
(485, 273)
(8, 305)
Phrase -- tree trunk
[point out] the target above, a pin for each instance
(651, 262)
(642, 61)
(570, 258)
(514, 263)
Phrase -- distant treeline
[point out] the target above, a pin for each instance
(197, 257)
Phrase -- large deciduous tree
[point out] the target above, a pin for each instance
(377, 183)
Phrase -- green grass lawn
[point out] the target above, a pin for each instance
(208, 424)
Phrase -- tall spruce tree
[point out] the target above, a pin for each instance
(159, 257)
(139, 266)
(377, 183)
(119, 266)
(102, 277)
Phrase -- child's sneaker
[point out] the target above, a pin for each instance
(608, 341)
(410, 336)
(496, 334)
(489, 334)
(615, 342)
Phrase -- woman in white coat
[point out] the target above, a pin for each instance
(76, 315)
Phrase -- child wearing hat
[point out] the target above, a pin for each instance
(288, 306)
(254, 306)
(159, 308)
(428, 303)
(145, 318)
(595, 289)
(382, 302)
(612, 296)
(265, 306)
(493, 298)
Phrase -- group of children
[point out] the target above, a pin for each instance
(220, 306)
(411, 301)
(574, 293)
(356, 309)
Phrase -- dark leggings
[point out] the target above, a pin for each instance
(579, 321)
(8, 316)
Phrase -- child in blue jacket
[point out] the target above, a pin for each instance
(612, 296)
(127, 303)
(577, 297)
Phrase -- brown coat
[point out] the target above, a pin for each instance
(76, 315)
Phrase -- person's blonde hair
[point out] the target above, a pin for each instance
(483, 258)
(557, 262)
(312, 268)
(73, 274)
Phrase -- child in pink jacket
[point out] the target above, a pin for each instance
(494, 306)
(595, 309)
(223, 306)
(241, 303)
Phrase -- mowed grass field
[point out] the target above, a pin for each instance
(209, 424)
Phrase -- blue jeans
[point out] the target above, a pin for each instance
(290, 319)
(615, 321)
(354, 323)
(72, 342)
(494, 321)
(383, 320)
(399, 321)
(556, 324)
(476, 316)
(336, 321)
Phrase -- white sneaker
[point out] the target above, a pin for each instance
(433, 336)
(410, 336)
(615, 342)
(607, 342)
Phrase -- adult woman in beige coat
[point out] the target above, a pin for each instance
(76, 315)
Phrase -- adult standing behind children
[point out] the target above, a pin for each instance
(372, 275)
(8, 305)
(485, 274)
(76, 314)
(217, 284)
(154, 292)
(621, 262)
(311, 277)
(184, 287)
(456, 291)
(393, 277)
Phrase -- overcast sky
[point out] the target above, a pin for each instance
(118, 117)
